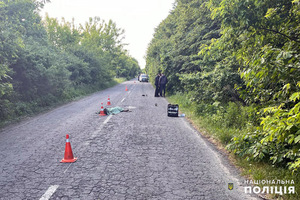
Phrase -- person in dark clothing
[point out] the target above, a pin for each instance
(162, 85)
(157, 85)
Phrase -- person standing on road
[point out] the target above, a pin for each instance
(157, 85)
(162, 85)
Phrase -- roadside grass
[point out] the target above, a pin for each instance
(266, 171)
(120, 80)
(220, 127)
(21, 110)
(211, 127)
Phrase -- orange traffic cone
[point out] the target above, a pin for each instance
(102, 113)
(126, 88)
(68, 158)
(108, 101)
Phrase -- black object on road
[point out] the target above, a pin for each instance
(173, 110)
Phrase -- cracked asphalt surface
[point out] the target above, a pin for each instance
(142, 154)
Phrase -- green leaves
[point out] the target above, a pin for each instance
(295, 96)
(41, 62)
(270, 13)
(240, 51)
(297, 139)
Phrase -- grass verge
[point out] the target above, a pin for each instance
(21, 110)
(220, 128)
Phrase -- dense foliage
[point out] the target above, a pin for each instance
(43, 62)
(247, 53)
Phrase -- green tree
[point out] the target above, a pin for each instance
(222, 51)
(265, 39)
(44, 62)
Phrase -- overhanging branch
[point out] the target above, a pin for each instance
(277, 32)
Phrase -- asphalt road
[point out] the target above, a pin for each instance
(142, 154)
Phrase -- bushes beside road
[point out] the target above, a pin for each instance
(222, 125)
(237, 57)
(43, 63)
(237, 64)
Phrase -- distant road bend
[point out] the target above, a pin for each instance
(142, 154)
